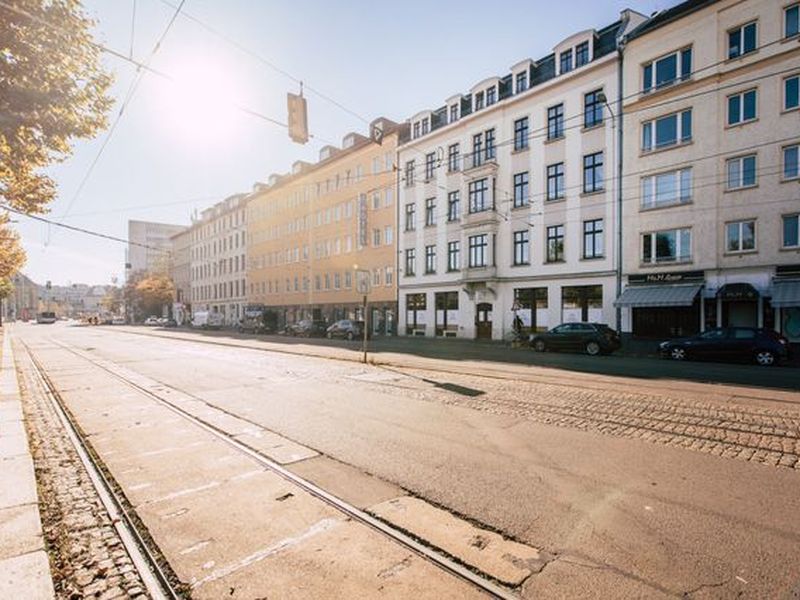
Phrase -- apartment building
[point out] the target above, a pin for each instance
(180, 273)
(314, 232)
(711, 194)
(506, 197)
(149, 246)
(218, 264)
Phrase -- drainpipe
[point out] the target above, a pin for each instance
(620, 115)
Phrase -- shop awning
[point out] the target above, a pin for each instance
(786, 293)
(635, 296)
(737, 291)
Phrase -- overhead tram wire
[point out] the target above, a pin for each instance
(81, 229)
(128, 97)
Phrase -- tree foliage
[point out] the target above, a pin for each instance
(52, 91)
(112, 301)
(148, 295)
(12, 256)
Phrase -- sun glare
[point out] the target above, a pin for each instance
(200, 106)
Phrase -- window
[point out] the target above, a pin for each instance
(424, 131)
(593, 173)
(453, 113)
(388, 234)
(409, 173)
(791, 168)
(741, 172)
(411, 261)
(521, 189)
(477, 149)
(581, 54)
(477, 250)
(791, 239)
(742, 40)
(388, 276)
(674, 245)
(667, 70)
(453, 157)
(478, 100)
(348, 279)
(664, 189)
(667, 131)
(592, 108)
(740, 236)
(453, 205)
(742, 107)
(491, 96)
(416, 129)
(430, 212)
(489, 139)
(453, 256)
(555, 122)
(430, 259)
(522, 247)
(521, 134)
(593, 238)
(376, 203)
(478, 192)
(430, 162)
(565, 61)
(555, 181)
(376, 237)
(790, 92)
(791, 20)
(521, 82)
(411, 216)
(555, 243)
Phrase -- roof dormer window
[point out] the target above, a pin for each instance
(565, 61)
(425, 125)
(491, 96)
(416, 129)
(521, 82)
(582, 54)
(453, 113)
(478, 100)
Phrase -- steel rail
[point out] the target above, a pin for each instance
(443, 562)
(147, 565)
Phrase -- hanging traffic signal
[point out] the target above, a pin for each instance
(298, 118)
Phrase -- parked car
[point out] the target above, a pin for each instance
(152, 321)
(46, 318)
(118, 321)
(742, 344)
(308, 328)
(258, 319)
(346, 328)
(592, 338)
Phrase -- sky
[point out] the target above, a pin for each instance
(183, 146)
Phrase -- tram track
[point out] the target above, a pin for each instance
(419, 547)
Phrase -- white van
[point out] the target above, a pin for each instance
(206, 320)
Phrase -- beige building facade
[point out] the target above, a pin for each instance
(315, 232)
(711, 188)
(180, 273)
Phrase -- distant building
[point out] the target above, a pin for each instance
(313, 231)
(218, 259)
(180, 272)
(23, 303)
(149, 246)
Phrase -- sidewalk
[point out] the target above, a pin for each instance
(24, 565)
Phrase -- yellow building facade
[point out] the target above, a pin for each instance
(315, 233)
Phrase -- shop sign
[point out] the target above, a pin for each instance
(667, 278)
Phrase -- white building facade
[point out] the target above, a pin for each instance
(149, 247)
(506, 198)
(711, 189)
(219, 260)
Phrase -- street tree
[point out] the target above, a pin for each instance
(112, 301)
(53, 91)
(6, 289)
(152, 292)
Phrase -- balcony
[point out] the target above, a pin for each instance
(478, 274)
(485, 218)
(479, 164)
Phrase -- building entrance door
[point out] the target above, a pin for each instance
(483, 321)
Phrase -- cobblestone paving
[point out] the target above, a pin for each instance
(729, 430)
(87, 557)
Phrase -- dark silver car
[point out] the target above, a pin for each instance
(346, 328)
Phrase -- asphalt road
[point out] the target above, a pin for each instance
(634, 488)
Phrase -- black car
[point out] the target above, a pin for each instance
(592, 338)
(742, 344)
(346, 328)
(308, 328)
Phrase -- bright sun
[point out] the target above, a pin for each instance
(200, 105)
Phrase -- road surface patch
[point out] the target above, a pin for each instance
(505, 560)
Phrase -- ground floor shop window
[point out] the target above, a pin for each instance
(582, 303)
(532, 308)
(790, 323)
(446, 313)
(416, 304)
(666, 322)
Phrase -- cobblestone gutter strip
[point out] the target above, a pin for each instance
(87, 557)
